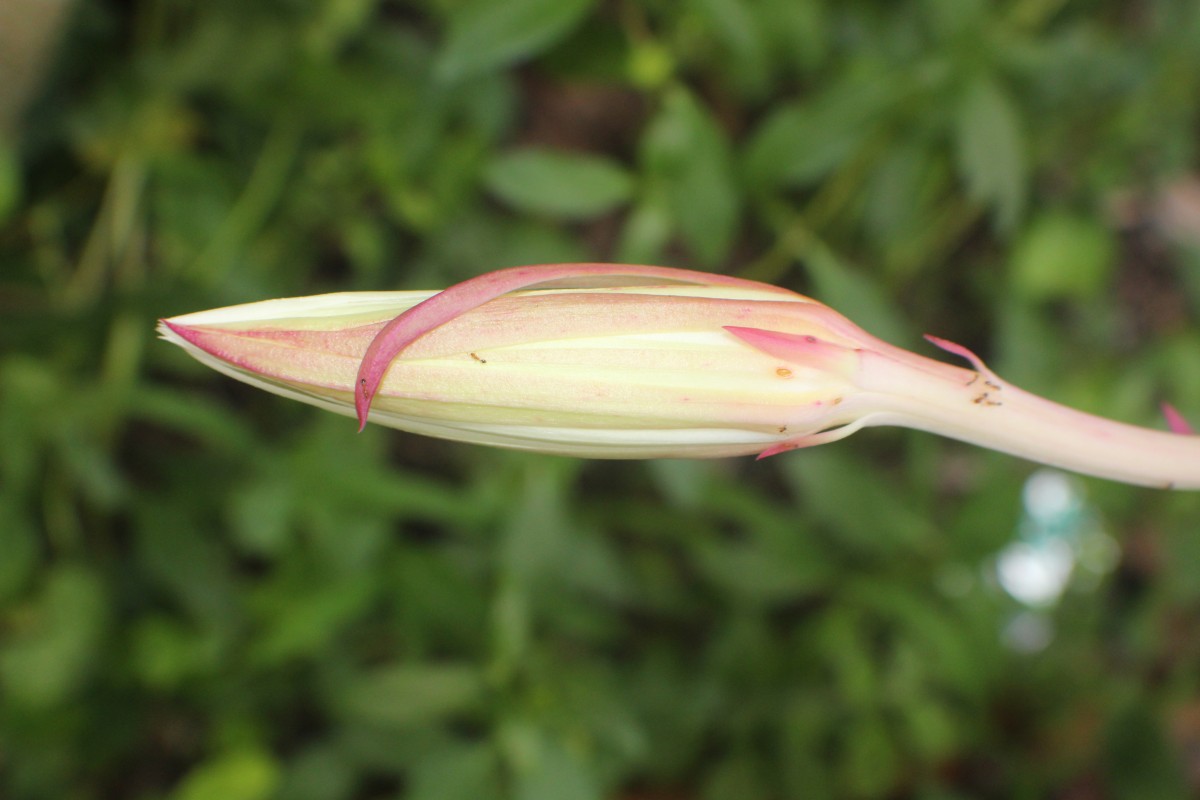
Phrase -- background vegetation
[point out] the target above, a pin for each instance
(209, 592)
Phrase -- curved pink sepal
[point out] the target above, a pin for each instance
(811, 440)
(462, 297)
(958, 350)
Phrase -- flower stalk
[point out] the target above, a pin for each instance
(614, 361)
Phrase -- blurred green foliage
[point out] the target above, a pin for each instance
(211, 593)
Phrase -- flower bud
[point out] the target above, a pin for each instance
(611, 361)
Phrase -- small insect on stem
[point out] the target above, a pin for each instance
(477, 358)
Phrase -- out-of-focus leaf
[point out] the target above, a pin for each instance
(842, 638)
(29, 389)
(797, 32)
(688, 155)
(558, 184)
(952, 18)
(213, 425)
(646, 233)
(1062, 256)
(18, 546)
(1021, 352)
(871, 516)
(538, 528)
(760, 574)
(260, 514)
(939, 793)
(240, 775)
(931, 630)
(485, 35)
(871, 760)
(10, 181)
(930, 727)
(403, 695)
(1138, 758)
(991, 151)
(593, 565)
(457, 772)
(299, 624)
(512, 624)
(801, 142)
(803, 733)
(732, 23)
(544, 769)
(46, 663)
(175, 553)
(734, 779)
(164, 652)
(321, 772)
(98, 477)
(772, 562)
(900, 196)
(358, 482)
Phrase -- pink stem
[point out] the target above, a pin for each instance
(986, 410)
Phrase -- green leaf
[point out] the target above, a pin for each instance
(300, 624)
(58, 646)
(865, 513)
(260, 515)
(802, 142)
(1063, 256)
(1139, 757)
(10, 181)
(736, 778)
(321, 772)
(688, 155)
(486, 35)
(177, 554)
(410, 694)
(954, 18)
(236, 776)
(870, 761)
(164, 652)
(556, 184)
(897, 211)
(545, 769)
(18, 543)
(733, 24)
(991, 151)
(457, 772)
(646, 233)
(758, 573)
(797, 33)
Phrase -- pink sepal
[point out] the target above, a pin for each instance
(1175, 420)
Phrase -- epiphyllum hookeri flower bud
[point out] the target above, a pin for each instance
(616, 361)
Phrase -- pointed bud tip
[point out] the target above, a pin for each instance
(172, 330)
